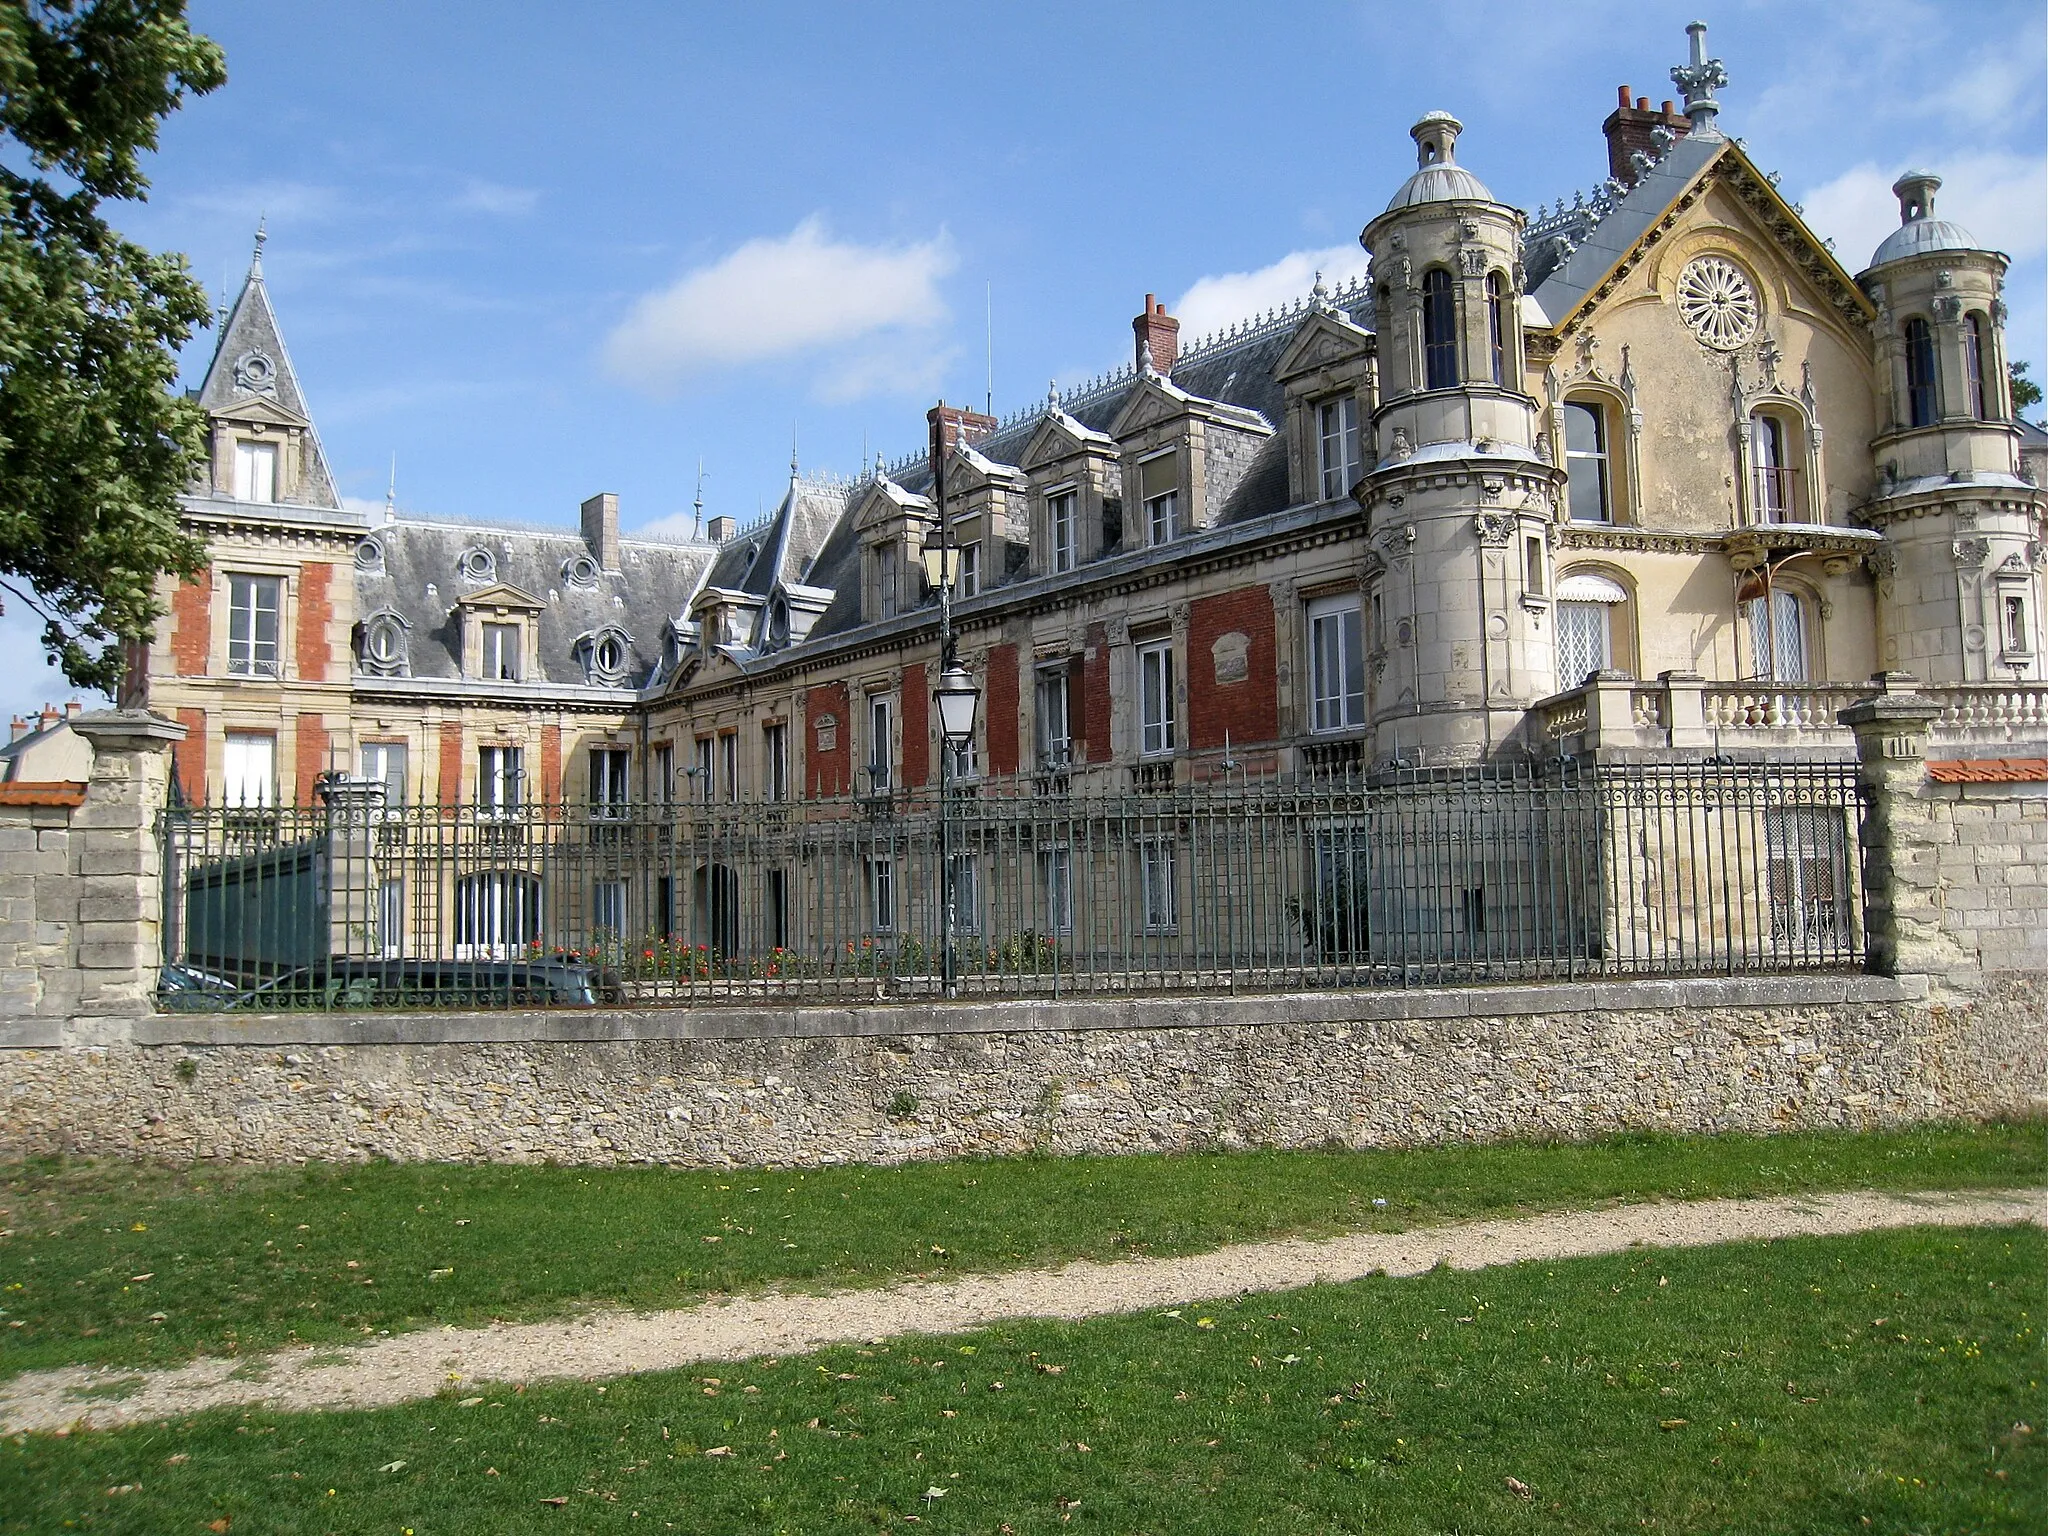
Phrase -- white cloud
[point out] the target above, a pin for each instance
(803, 293)
(490, 197)
(1219, 300)
(1998, 197)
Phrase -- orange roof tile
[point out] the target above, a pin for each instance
(45, 792)
(1990, 770)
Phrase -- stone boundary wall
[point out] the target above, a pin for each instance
(888, 1084)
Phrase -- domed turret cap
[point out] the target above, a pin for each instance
(1920, 233)
(1438, 178)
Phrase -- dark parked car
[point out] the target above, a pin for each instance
(416, 984)
(186, 989)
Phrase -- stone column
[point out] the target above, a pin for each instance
(1901, 875)
(1685, 711)
(119, 869)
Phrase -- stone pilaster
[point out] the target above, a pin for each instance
(1903, 931)
(118, 883)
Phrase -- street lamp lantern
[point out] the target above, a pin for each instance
(942, 565)
(957, 699)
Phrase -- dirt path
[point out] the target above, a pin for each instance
(604, 1344)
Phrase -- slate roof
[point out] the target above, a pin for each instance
(1563, 284)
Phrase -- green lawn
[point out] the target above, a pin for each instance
(121, 1263)
(1889, 1382)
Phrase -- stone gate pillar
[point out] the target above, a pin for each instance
(119, 868)
(1901, 875)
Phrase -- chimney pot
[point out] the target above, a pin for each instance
(18, 730)
(1642, 103)
(1157, 333)
(1670, 109)
(601, 529)
(1627, 94)
(1628, 130)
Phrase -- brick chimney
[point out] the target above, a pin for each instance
(720, 529)
(601, 529)
(50, 717)
(1157, 332)
(18, 730)
(955, 422)
(73, 709)
(1628, 129)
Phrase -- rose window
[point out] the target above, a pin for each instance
(1715, 298)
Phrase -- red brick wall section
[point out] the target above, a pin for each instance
(1004, 687)
(550, 764)
(1249, 710)
(917, 725)
(191, 625)
(451, 761)
(828, 771)
(1090, 706)
(189, 755)
(315, 611)
(309, 757)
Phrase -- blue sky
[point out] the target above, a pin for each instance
(538, 251)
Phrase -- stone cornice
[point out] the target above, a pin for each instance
(1654, 541)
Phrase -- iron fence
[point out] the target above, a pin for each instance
(1567, 871)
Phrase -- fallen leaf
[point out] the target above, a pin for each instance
(557, 1501)
(439, 1274)
(218, 1527)
(1205, 1322)
(138, 1279)
(1672, 1423)
(120, 1488)
(1519, 1488)
(1080, 1446)
(470, 1402)
(392, 1466)
(490, 1471)
(172, 1461)
(719, 1450)
(935, 1493)
(1050, 1370)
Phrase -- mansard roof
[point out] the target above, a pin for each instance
(414, 571)
(251, 378)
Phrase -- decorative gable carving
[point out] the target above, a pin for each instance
(1322, 341)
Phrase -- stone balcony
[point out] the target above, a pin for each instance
(1680, 711)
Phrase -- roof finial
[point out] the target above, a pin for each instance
(391, 493)
(1052, 394)
(1145, 357)
(881, 474)
(262, 234)
(1698, 79)
(697, 506)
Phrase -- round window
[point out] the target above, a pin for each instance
(369, 556)
(1716, 299)
(477, 564)
(580, 571)
(611, 656)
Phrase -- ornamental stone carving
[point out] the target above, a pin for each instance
(1718, 303)
(1972, 552)
(1494, 528)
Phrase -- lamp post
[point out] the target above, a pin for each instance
(956, 698)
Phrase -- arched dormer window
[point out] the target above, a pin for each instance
(1983, 390)
(383, 644)
(1439, 330)
(1497, 326)
(1586, 462)
(1920, 401)
(607, 655)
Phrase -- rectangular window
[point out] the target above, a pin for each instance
(880, 741)
(1777, 638)
(777, 892)
(1055, 740)
(249, 768)
(729, 764)
(499, 774)
(1156, 888)
(886, 580)
(1059, 513)
(391, 918)
(501, 652)
(882, 893)
(704, 788)
(1533, 566)
(1055, 874)
(1337, 435)
(384, 763)
(253, 606)
(966, 873)
(608, 767)
(1336, 664)
(962, 761)
(970, 571)
(1585, 463)
(661, 773)
(608, 910)
(1582, 631)
(255, 471)
(1159, 488)
(775, 759)
(1156, 712)
(1808, 853)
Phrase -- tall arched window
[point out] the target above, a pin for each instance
(1777, 479)
(1920, 405)
(1585, 463)
(1589, 607)
(1497, 326)
(1439, 330)
(1983, 394)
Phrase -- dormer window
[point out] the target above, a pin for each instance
(1337, 434)
(1061, 534)
(477, 565)
(969, 584)
(1159, 491)
(606, 657)
(501, 652)
(255, 471)
(579, 571)
(383, 651)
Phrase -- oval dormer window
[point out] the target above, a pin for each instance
(477, 565)
(778, 622)
(609, 654)
(386, 641)
(369, 555)
(580, 571)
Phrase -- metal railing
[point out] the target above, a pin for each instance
(1566, 871)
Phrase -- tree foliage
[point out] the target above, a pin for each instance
(2026, 394)
(95, 445)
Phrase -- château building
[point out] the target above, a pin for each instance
(1644, 471)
